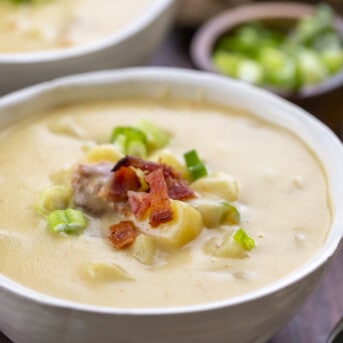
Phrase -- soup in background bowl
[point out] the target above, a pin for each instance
(276, 165)
(41, 40)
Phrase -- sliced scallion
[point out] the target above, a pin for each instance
(69, 221)
(157, 138)
(195, 167)
(231, 214)
(242, 238)
(130, 140)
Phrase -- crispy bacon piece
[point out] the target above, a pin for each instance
(177, 188)
(139, 203)
(136, 162)
(160, 210)
(122, 180)
(122, 234)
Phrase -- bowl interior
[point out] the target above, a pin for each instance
(156, 83)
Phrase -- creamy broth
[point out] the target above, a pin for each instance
(283, 199)
(57, 24)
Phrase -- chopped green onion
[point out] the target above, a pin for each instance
(54, 198)
(157, 138)
(333, 60)
(226, 62)
(262, 54)
(195, 167)
(130, 140)
(250, 71)
(242, 238)
(312, 26)
(231, 214)
(18, 2)
(279, 68)
(68, 221)
(311, 70)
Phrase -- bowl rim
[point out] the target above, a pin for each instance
(153, 11)
(176, 76)
(206, 36)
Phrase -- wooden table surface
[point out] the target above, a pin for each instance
(315, 320)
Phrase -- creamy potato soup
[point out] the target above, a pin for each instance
(141, 203)
(56, 24)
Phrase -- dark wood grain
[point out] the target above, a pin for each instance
(315, 320)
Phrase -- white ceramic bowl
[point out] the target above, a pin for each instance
(130, 46)
(27, 316)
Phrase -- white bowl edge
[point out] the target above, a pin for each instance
(154, 10)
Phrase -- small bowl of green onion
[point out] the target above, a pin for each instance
(292, 49)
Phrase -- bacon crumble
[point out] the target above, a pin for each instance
(177, 188)
(123, 180)
(139, 203)
(160, 210)
(122, 234)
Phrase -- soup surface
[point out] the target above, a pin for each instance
(57, 24)
(282, 198)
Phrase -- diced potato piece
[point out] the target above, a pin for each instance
(144, 248)
(107, 272)
(165, 156)
(215, 214)
(141, 176)
(54, 198)
(219, 184)
(183, 228)
(104, 152)
(229, 248)
(62, 176)
(67, 126)
(226, 248)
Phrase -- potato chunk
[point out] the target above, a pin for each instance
(215, 214)
(67, 126)
(166, 157)
(104, 152)
(183, 228)
(107, 272)
(144, 249)
(220, 184)
(227, 247)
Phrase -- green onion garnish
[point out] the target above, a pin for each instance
(68, 221)
(195, 167)
(18, 2)
(242, 238)
(157, 138)
(131, 141)
(230, 213)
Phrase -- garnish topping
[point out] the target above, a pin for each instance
(69, 221)
(131, 141)
(122, 234)
(138, 141)
(157, 190)
(195, 167)
(242, 238)
(160, 211)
